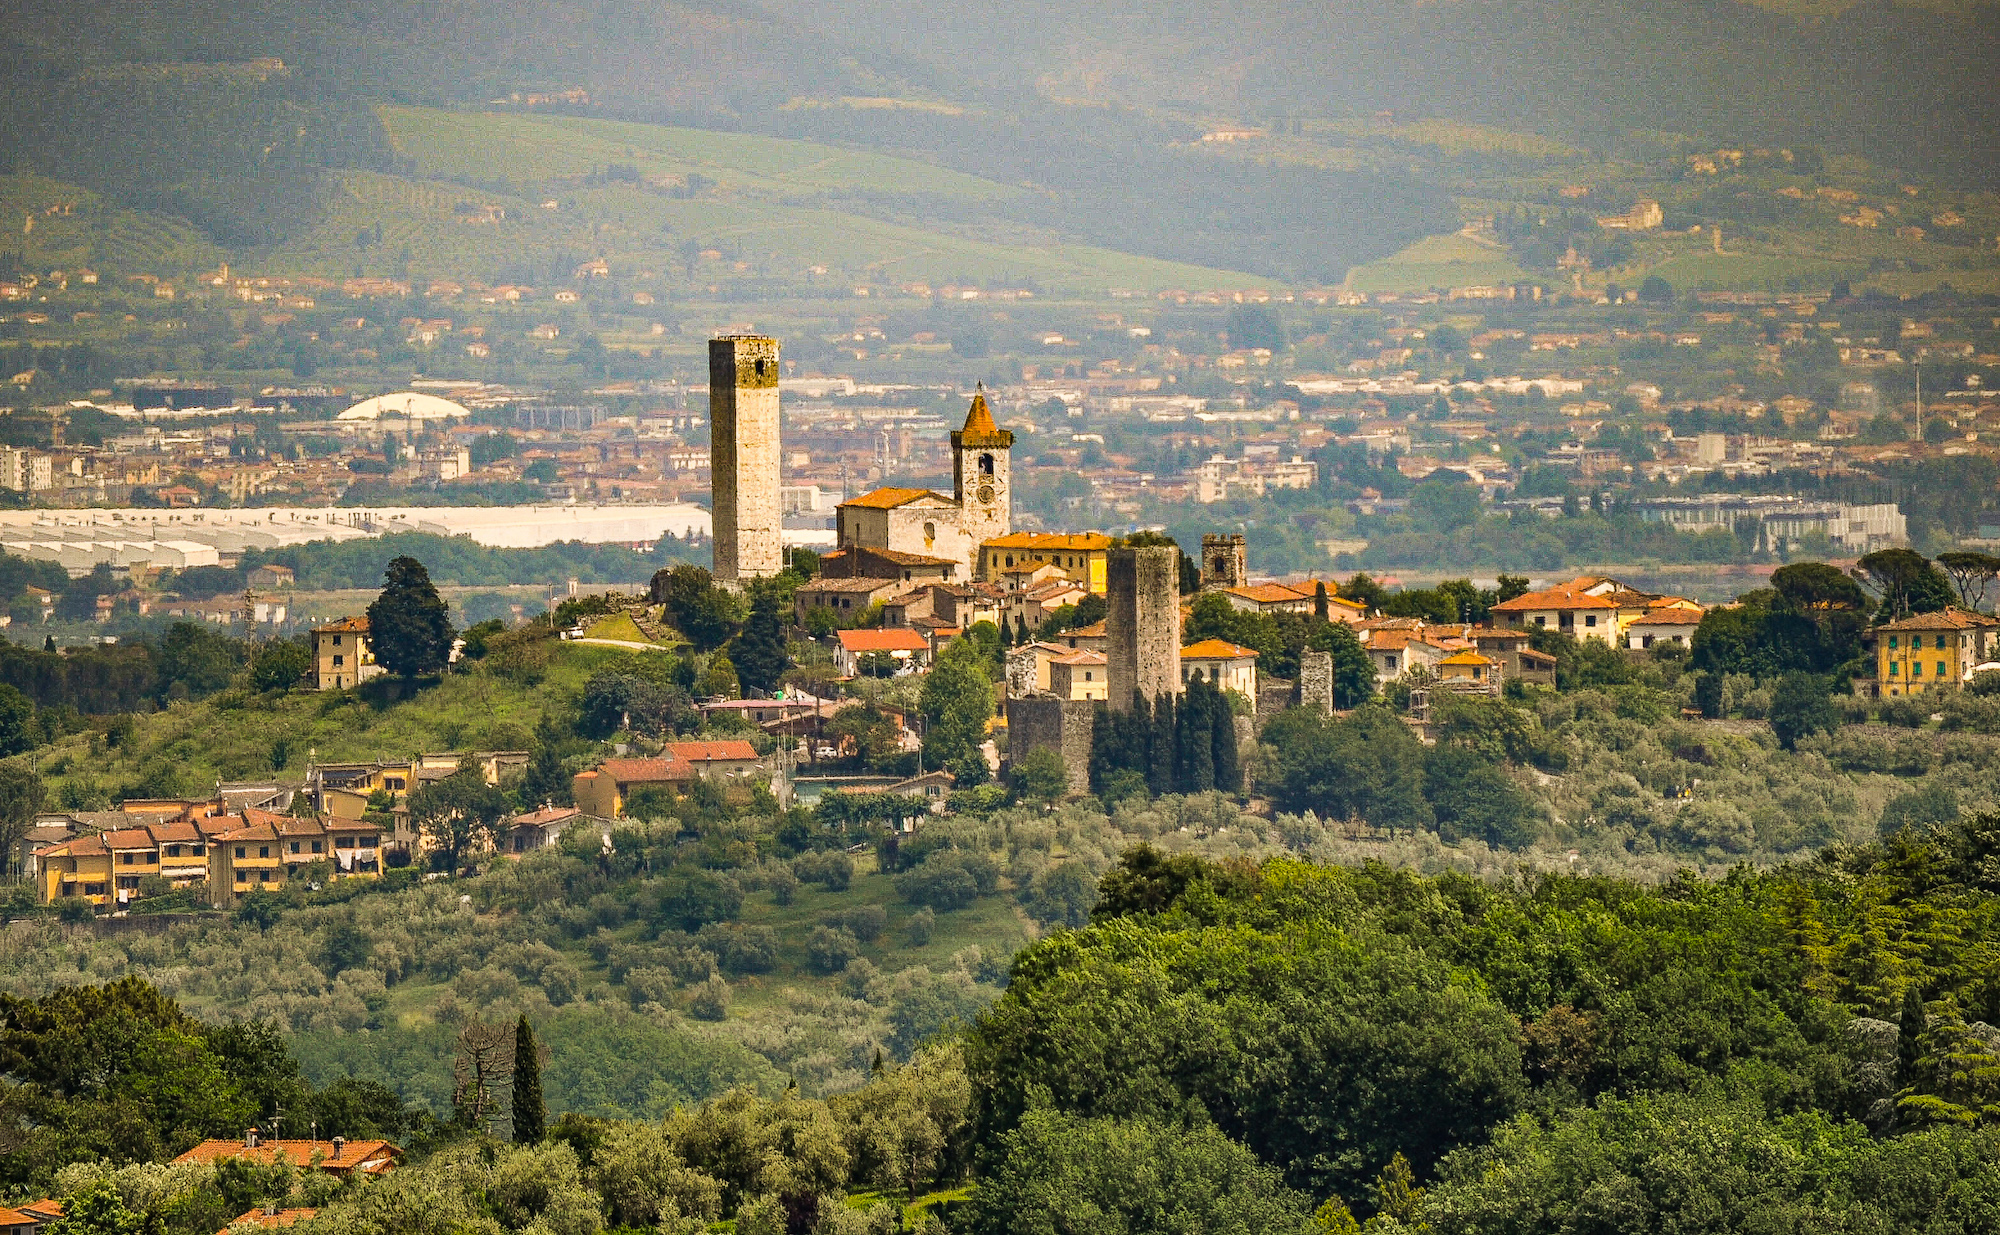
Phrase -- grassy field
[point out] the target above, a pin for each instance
(529, 149)
(72, 227)
(1436, 262)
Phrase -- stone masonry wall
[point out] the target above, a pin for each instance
(1064, 726)
(1142, 623)
(743, 456)
(1316, 681)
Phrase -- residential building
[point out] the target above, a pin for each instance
(341, 655)
(845, 598)
(908, 648)
(538, 829)
(1078, 675)
(1271, 598)
(1078, 557)
(1469, 671)
(1223, 663)
(1510, 651)
(1572, 610)
(337, 1156)
(602, 791)
(1221, 478)
(269, 851)
(1662, 625)
(1932, 651)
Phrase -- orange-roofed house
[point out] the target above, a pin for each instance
(78, 867)
(1225, 664)
(1469, 671)
(1079, 675)
(270, 850)
(269, 1215)
(1269, 598)
(602, 790)
(1566, 608)
(1673, 624)
(1078, 557)
(908, 648)
(1931, 651)
(29, 1219)
(341, 655)
(937, 525)
(337, 1156)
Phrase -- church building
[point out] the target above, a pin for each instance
(931, 524)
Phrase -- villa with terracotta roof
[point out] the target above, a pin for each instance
(1667, 624)
(341, 655)
(1269, 598)
(269, 851)
(1223, 663)
(336, 1156)
(936, 525)
(1928, 652)
(901, 643)
(1078, 557)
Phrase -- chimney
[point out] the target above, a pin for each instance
(250, 1138)
(339, 1146)
(270, 1209)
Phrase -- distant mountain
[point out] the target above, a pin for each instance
(1094, 105)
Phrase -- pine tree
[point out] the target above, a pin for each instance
(409, 625)
(531, 1117)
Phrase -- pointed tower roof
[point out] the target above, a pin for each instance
(979, 428)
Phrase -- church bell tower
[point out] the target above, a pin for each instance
(982, 473)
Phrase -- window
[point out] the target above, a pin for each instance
(1940, 669)
(344, 842)
(263, 876)
(1916, 668)
(200, 851)
(263, 851)
(1893, 668)
(295, 846)
(986, 465)
(1892, 642)
(173, 851)
(1086, 675)
(336, 642)
(239, 851)
(1590, 619)
(126, 859)
(319, 846)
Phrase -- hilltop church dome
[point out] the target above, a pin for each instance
(405, 405)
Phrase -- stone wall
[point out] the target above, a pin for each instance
(1062, 725)
(1142, 623)
(1224, 561)
(1316, 681)
(743, 456)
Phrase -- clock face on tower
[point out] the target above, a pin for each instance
(985, 493)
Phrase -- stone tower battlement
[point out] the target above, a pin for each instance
(1224, 561)
(743, 456)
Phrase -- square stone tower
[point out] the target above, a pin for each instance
(743, 456)
(1224, 561)
(982, 474)
(1142, 623)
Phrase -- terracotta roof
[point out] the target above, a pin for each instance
(1215, 649)
(898, 556)
(849, 583)
(542, 818)
(282, 1217)
(1668, 617)
(1082, 656)
(356, 625)
(1466, 658)
(728, 748)
(894, 639)
(1075, 542)
(1950, 618)
(81, 847)
(128, 838)
(645, 771)
(979, 428)
(1269, 593)
(889, 499)
(1555, 598)
(370, 1156)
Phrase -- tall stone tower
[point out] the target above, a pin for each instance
(982, 474)
(1224, 562)
(1142, 623)
(743, 456)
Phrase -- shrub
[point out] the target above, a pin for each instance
(829, 949)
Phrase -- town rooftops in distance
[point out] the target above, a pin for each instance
(338, 1156)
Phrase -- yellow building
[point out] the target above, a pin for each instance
(1931, 651)
(107, 868)
(1224, 664)
(1464, 669)
(269, 850)
(1080, 557)
(1079, 675)
(341, 655)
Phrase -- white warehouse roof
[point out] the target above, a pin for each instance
(407, 405)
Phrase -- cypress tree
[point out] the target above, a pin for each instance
(1910, 1029)
(530, 1116)
(1222, 738)
(1194, 739)
(1158, 716)
(1319, 600)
